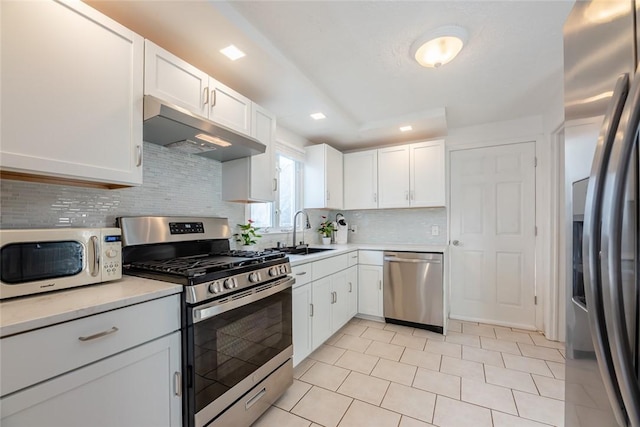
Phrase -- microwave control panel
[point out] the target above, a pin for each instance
(111, 254)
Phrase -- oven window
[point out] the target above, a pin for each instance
(27, 262)
(231, 346)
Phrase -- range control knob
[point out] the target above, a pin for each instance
(254, 277)
(229, 284)
(273, 271)
(214, 288)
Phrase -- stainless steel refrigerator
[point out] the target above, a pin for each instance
(602, 86)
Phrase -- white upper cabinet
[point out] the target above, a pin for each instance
(412, 175)
(323, 177)
(172, 79)
(229, 108)
(393, 177)
(253, 179)
(72, 85)
(426, 174)
(361, 180)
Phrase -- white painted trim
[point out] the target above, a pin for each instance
(505, 324)
(542, 280)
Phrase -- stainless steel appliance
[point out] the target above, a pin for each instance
(603, 290)
(236, 314)
(43, 260)
(413, 292)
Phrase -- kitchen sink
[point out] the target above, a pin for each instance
(302, 250)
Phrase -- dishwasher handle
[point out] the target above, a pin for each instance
(412, 261)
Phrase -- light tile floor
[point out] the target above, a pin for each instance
(372, 374)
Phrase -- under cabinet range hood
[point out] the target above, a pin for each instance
(177, 128)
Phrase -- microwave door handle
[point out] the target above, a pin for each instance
(612, 224)
(94, 256)
(591, 246)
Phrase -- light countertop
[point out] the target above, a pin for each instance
(23, 314)
(340, 249)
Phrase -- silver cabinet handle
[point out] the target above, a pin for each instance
(206, 96)
(275, 184)
(255, 398)
(94, 258)
(413, 261)
(613, 203)
(456, 243)
(380, 284)
(177, 383)
(138, 155)
(350, 287)
(591, 246)
(375, 197)
(411, 195)
(310, 310)
(406, 195)
(328, 195)
(302, 273)
(213, 98)
(99, 334)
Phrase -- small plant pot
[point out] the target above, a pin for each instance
(326, 240)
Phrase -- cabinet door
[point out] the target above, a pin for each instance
(253, 179)
(302, 343)
(135, 388)
(229, 108)
(321, 319)
(171, 79)
(427, 174)
(72, 85)
(361, 180)
(352, 291)
(370, 290)
(340, 301)
(393, 177)
(334, 179)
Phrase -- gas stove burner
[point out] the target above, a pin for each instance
(266, 254)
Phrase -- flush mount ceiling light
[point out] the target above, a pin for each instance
(232, 52)
(318, 116)
(406, 128)
(438, 47)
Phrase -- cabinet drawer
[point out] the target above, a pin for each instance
(302, 274)
(370, 257)
(352, 258)
(328, 266)
(35, 356)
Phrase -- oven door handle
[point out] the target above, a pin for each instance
(218, 307)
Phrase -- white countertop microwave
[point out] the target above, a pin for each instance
(43, 260)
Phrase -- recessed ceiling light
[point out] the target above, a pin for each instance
(318, 116)
(406, 128)
(232, 52)
(438, 47)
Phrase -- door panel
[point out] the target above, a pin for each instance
(493, 234)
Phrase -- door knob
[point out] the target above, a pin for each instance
(456, 243)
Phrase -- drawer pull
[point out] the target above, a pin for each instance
(255, 398)
(99, 334)
(302, 273)
(177, 383)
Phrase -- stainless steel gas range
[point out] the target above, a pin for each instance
(236, 314)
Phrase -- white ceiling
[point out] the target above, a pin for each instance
(351, 60)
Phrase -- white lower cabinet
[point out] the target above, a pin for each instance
(121, 367)
(324, 305)
(370, 276)
(302, 344)
(133, 388)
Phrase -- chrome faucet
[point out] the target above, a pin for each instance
(295, 226)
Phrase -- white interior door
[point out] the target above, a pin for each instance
(493, 234)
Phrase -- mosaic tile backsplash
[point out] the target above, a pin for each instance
(180, 184)
(174, 184)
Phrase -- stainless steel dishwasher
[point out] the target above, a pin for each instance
(413, 289)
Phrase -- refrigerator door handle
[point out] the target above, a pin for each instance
(591, 247)
(611, 257)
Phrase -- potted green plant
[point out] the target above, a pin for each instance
(325, 229)
(248, 235)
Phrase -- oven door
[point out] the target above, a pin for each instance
(232, 344)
